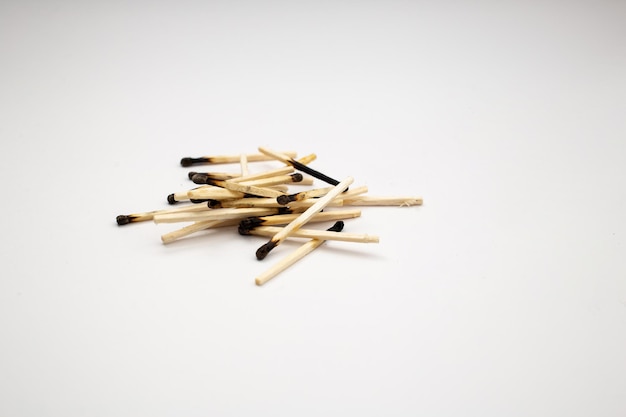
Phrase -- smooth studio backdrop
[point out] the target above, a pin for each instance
(503, 295)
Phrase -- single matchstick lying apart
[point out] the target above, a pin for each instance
(262, 203)
(295, 256)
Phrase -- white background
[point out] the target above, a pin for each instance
(503, 295)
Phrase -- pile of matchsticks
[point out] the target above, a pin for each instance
(261, 204)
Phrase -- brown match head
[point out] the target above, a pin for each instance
(186, 162)
(250, 223)
(213, 204)
(262, 252)
(296, 177)
(123, 219)
(200, 178)
(190, 174)
(171, 199)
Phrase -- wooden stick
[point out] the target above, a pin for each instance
(281, 219)
(123, 219)
(243, 161)
(311, 234)
(297, 165)
(266, 202)
(294, 257)
(196, 227)
(215, 175)
(382, 201)
(240, 187)
(226, 159)
(216, 214)
(303, 218)
(283, 200)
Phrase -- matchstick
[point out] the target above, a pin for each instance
(242, 188)
(310, 234)
(214, 175)
(281, 219)
(227, 159)
(382, 201)
(283, 200)
(261, 182)
(266, 202)
(217, 214)
(124, 219)
(297, 165)
(243, 162)
(196, 227)
(262, 252)
(294, 257)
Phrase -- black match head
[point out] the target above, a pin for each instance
(283, 200)
(250, 223)
(284, 210)
(337, 227)
(297, 177)
(213, 204)
(262, 252)
(123, 219)
(186, 162)
(171, 199)
(200, 178)
(190, 174)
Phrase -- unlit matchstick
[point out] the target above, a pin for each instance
(262, 252)
(226, 159)
(243, 162)
(294, 257)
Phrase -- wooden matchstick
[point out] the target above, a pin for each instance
(298, 222)
(310, 234)
(295, 256)
(382, 201)
(297, 165)
(214, 175)
(243, 162)
(217, 214)
(196, 227)
(242, 188)
(227, 159)
(124, 219)
(266, 202)
(281, 219)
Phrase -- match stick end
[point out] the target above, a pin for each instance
(186, 162)
(190, 174)
(262, 252)
(337, 227)
(283, 200)
(123, 219)
(171, 199)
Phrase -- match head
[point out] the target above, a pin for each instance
(297, 177)
(249, 224)
(123, 219)
(200, 178)
(190, 174)
(186, 162)
(262, 252)
(283, 200)
(171, 199)
(213, 204)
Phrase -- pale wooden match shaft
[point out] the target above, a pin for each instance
(304, 217)
(286, 262)
(316, 234)
(278, 219)
(149, 215)
(214, 214)
(382, 201)
(280, 179)
(217, 193)
(196, 227)
(248, 189)
(275, 172)
(243, 162)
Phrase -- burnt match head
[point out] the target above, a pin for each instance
(262, 252)
(250, 223)
(337, 227)
(200, 178)
(190, 174)
(213, 204)
(296, 177)
(283, 200)
(171, 199)
(186, 162)
(123, 219)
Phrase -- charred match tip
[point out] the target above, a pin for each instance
(171, 199)
(200, 178)
(214, 204)
(186, 162)
(198, 201)
(123, 219)
(337, 227)
(191, 174)
(250, 223)
(297, 177)
(243, 230)
(284, 210)
(262, 252)
(283, 200)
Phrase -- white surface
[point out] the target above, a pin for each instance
(504, 295)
